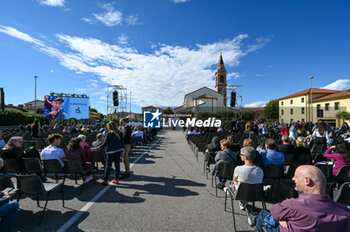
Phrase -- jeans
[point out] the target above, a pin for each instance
(110, 158)
(8, 213)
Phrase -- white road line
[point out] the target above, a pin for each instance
(86, 207)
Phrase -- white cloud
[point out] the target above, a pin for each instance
(87, 20)
(51, 71)
(123, 39)
(52, 2)
(132, 20)
(179, 1)
(256, 104)
(110, 17)
(341, 84)
(161, 77)
(19, 35)
(233, 75)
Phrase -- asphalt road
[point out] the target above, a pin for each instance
(167, 192)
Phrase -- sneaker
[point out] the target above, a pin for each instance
(241, 205)
(220, 185)
(105, 183)
(88, 179)
(115, 181)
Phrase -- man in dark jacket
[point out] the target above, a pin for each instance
(126, 130)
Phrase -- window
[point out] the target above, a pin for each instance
(319, 111)
(291, 111)
(326, 106)
(336, 105)
(302, 99)
(291, 102)
(281, 103)
(282, 111)
(302, 110)
(291, 120)
(221, 79)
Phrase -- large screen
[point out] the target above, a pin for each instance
(66, 107)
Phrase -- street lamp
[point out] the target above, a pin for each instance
(35, 77)
(312, 116)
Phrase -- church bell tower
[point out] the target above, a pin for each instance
(220, 75)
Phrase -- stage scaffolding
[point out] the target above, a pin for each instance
(122, 98)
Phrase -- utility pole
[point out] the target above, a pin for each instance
(312, 113)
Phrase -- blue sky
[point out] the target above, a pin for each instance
(162, 49)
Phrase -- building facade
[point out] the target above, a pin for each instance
(313, 105)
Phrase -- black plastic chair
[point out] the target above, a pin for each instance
(343, 175)
(74, 167)
(273, 172)
(11, 166)
(326, 169)
(248, 193)
(98, 156)
(208, 159)
(304, 159)
(225, 171)
(5, 182)
(32, 185)
(53, 166)
(343, 195)
(32, 165)
(288, 159)
(291, 170)
(280, 191)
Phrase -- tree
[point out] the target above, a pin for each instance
(93, 110)
(343, 115)
(271, 110)
(248, 115)
(168, 111)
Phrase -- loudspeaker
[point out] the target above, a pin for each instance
(115, 98)
(2, 99)
(233, 99)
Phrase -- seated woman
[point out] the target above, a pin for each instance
(257, 161)
(225, 155)
(13, 150)
(341, 156)
(85, 146)
(233, 145)
(301, 147)
(212, 149)
(76, 152)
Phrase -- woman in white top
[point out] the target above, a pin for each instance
(321, 131)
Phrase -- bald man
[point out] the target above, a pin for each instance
(313, 210)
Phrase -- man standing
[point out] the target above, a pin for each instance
(313, 210)
(124, 122)
(52, 151)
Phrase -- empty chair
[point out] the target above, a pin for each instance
(32, 165)
(98, 156)
(343, 175)
(11, 166)
(33, 186)
(248, 193)
(74, 167)
(280, 191)
(343, 195)
(53, 166)
(5, 182)
(225, 171)
(273, 172)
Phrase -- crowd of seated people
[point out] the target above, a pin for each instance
(298, 139)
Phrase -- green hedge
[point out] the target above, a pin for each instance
(14, 118)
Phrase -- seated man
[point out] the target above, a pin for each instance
(2, 141)
(286, 147)
(225, 155)
(247, 173)
(313, 210)
(8, 210)
(52, 151)
(99, 140)
(271, 156)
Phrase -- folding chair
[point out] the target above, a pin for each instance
(245, 192)
(98, 156)
(280, 191)
(343, 195)
(11, 166)
(288, 159)
(273, 172)
(74, 167)
(304, 159)
(32, 165)
(5, 182)
(33, 186)
(210, 161)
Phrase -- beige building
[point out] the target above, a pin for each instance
(325, 104)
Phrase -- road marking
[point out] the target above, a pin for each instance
(86, 207)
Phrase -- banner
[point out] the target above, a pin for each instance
(66, 107)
